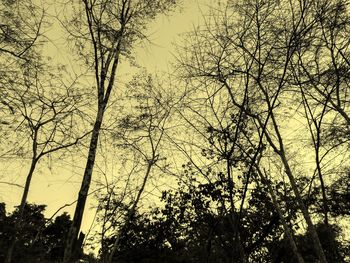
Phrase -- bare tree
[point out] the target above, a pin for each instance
(324, 70)
(45, 116)
(142, 131)
(107, 30)
(249, 53)
(139, 136)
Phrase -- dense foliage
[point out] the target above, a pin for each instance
(40, 240)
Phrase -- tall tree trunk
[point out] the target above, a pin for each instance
(21, 209)
(281, 152)
(72, 248)
(317, 244)
(317, 143)
(286, 228)
(133, 208)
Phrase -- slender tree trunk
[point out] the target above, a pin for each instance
(71, 249)
(21, 210)
(286, 228)
(317, 244)
(317, 143)
(132, 210)
(323, 188)
(281, 152)
(233, 221)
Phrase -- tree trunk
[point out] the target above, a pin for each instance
(234, 223)
(281, 152)
(323, 188)
(72, 238)
(286, 228)
(21, 210)
(317, 244)
(133, 209)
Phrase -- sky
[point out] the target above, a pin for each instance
(56, 183)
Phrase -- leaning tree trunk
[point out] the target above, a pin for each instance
(72, 247)
(133, 208)
(286, 228)
(281, 152)
(317, 244)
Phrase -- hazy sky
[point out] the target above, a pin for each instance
(59, 184)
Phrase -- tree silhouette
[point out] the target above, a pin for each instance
(32, 244)
(108, 29)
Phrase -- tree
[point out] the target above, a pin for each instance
(48, 247)
(249, 50)
(320, 75)
(139, 133)
(191, 225)
(45, 113)
(108, 30)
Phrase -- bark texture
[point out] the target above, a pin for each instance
(72, 248)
